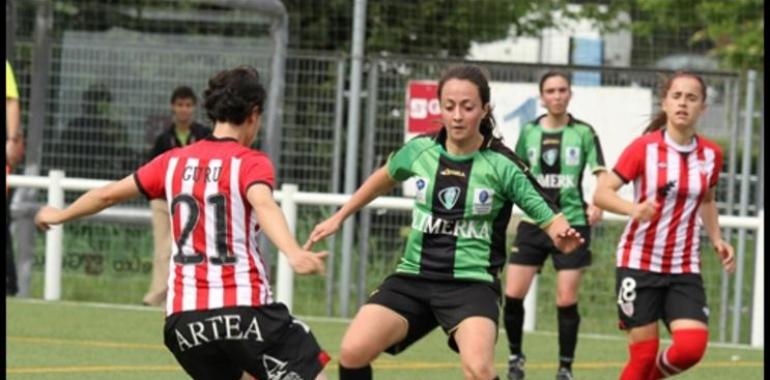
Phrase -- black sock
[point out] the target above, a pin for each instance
(363, 373)
(569, 321)
(514, 323)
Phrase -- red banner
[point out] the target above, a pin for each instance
(423, 110)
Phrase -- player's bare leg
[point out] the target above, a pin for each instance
(475, 337)
(374, 329)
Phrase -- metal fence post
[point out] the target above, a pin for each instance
(54, 238)
(761, 170)
(758, 304)
(734, 94)
(351, 160)
(285, 276)
(367, 168)
(748, 120)
(335, 181)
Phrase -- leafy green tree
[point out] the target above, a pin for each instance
(731, 31)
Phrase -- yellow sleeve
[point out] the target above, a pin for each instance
(11, 91)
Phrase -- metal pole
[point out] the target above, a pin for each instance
(38, 114)
(271, 144)
(10, 29)
(53, 240)
(761, 171)
(335, 184)
(356, 69)
(285, 277)
(734, 96)
(366, 169)
(758, 304)
(748, 119)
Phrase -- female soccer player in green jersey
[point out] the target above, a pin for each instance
(466, 182)
(558, 148)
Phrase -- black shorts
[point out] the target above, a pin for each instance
(532, 246)
(265, 341)
(644, 297)
(426, 304)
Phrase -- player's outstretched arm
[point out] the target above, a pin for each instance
(377, 184)
(565, 238)
(273, 223)
(89, 203)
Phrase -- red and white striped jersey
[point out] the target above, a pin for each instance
(215, 260)
(678, 177)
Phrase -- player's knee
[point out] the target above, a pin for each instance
(478, 370)
(566, 296)
(513, 290)
(354, 355)
(688, 348)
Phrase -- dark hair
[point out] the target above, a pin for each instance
(96, 93)
(659, 121)
(553, 73)
(477, 76)
(183, 92)
(233, 95)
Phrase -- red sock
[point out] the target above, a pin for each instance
(641, 360)
(686, 350)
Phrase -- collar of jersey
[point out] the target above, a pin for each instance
(220, 139)
(570, 122)
(677, 147)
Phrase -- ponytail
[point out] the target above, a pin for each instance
(488, 126)
(657, 123)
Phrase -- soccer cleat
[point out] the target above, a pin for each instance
(516, 367)
(564, 374)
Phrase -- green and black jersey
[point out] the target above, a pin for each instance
(557, 158)
(462, 207)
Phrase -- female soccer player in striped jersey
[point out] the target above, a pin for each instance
(675, 173)
(466, 182)
(221, 319)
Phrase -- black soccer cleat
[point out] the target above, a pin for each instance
(516, 367)
(564, 374)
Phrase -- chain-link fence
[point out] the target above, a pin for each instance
(111, 67)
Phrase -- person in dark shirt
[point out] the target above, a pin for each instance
(182, 131)
(93, 145)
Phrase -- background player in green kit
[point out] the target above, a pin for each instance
(466, 181)
(558, 148)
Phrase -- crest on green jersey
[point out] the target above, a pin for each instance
(549, 156)
(449, 196)
(573, 156)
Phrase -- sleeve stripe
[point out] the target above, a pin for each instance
(139, 185)
(621, 176)
(257, 182)
(599, 152)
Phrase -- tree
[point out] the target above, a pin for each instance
(731, 31)
(442, 28)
